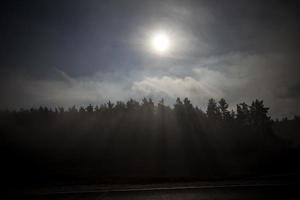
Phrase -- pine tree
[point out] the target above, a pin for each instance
(213, 111)
(223, 107)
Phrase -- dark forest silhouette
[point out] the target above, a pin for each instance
(145, 140)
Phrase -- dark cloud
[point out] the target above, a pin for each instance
(289, 92)
(79, 52)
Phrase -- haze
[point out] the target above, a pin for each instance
(61, 53)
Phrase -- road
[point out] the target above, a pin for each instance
(191, 192)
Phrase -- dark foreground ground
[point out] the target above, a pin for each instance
(188, 191)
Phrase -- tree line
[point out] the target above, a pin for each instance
(254, 113)
(144, 139)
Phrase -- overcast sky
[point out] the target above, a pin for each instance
(79, 52)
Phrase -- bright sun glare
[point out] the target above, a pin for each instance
(160, 42)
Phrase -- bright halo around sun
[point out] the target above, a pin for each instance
(160, 42)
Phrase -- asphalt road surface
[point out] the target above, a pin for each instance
(205, 192)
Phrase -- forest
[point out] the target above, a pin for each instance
(144, 140)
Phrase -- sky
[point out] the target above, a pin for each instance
(71, 52)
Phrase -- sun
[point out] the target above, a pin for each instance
(160, 42)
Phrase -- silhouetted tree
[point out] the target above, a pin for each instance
(178, 106)
(73, 109)
(187, 104)
(120, 106)
(61, 109)
(81, 109)
(136, 139)
(223, 107)
(213, 111)
(110, 105)
(258, 113)
(147, 105)
(132, 105)
(97, 109)
(89, 108)
(161, 106)
(243, 113)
